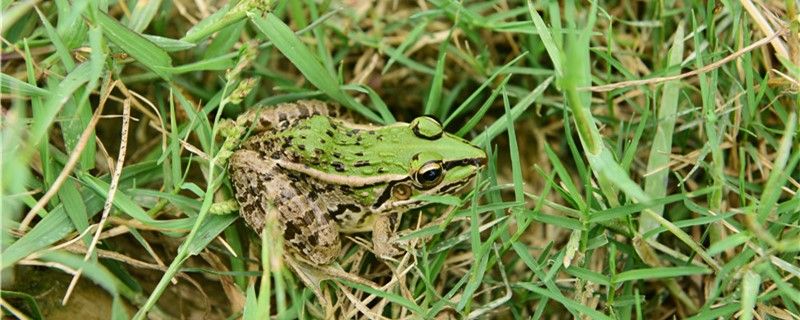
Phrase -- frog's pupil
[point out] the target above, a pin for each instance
(431, 175)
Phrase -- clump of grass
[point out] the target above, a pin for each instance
(643, 156)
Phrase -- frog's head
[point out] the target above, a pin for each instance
(434, 163)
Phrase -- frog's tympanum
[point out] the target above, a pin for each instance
(325, 175)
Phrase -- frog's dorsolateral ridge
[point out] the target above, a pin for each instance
(324, 174)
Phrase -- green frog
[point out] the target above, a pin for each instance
(326, 174)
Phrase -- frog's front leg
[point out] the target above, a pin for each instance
(383, 234)
(260, 186)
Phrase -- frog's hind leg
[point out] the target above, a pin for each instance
(306, 228)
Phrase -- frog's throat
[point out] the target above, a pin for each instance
(353, 181)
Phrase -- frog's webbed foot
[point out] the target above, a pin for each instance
(384, 244)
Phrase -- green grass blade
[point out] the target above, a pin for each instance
(147, 53)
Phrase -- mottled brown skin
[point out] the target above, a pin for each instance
(256, 176)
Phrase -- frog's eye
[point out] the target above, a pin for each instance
(426, 128)
(430, 174)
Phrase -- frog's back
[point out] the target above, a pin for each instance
(282, 116)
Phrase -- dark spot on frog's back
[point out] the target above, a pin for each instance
(359, 154)
(291, 230)
(338, 166)
(301, 147)
(313, 240)
(361, 163)
(329, 133)
(302, 110)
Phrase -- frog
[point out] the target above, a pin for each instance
(326, 173)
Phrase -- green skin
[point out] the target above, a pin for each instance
(325, 175)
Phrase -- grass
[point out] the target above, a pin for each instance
(643, 157)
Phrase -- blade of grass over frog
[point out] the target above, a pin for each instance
(449, 200)
(61, 50)
(560, 298)
(778, 174)
(658, 273)
(461, 108)
(500, 124)
(13, 85)
(301, 57)
(147, 53)
(478, 115)
(393, 297)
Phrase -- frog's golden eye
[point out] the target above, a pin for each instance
(401, 191)
(426, 128)
(430, 174)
